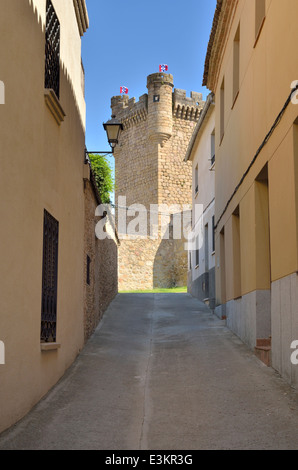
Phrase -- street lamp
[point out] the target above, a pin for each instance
(113, 129)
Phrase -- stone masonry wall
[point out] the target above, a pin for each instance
(136, 163)
(103, 254)
(156, 263)
(149, 169)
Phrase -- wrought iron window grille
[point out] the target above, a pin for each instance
(52, 50)
(49, 279)
(88, 281)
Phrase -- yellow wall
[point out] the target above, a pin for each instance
(41, 168)
(266, 73)
(282, 210)
(70, 49)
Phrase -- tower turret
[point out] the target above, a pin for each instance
(160, 103)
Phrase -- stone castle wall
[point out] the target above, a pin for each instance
(103, 275)
(149, 169)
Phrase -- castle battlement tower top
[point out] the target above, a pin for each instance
(159, 107)
(156, 131)
(150, 170)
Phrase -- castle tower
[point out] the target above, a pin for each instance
(160, 122)
(149, 170)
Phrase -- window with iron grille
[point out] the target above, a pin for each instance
(52, 50)
(49, 279)
(197, 252)
(213, 148)
(88, 270)
(196, 180)
(213, 234)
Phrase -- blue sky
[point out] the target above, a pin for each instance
(126, 41)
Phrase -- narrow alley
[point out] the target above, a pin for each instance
(161, 372)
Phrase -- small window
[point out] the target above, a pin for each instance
(222, 266)
(260, 6)
(49, 279)
(213, 234)
(213, 148)
(52, 50)
(88, 270)
(196, 179)
(197, 253)
(236, 259)
(236, 64)
(222, 109)
(206, 243)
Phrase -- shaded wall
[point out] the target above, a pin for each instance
(101, 260)
(41, 168)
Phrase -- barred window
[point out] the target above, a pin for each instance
(88, 270)
(213, 233)
(52, 50)
(197, 252)
(49, 279)
(196, 180)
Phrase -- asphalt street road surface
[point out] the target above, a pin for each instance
(161, 372)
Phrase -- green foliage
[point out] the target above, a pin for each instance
(103, 174)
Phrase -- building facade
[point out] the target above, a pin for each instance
(201, 153)
(149, 171)
(45, 236)
(250, 68)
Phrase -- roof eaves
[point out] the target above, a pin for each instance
(81, 15)
(211, 40)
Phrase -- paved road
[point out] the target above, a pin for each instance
(162, 373)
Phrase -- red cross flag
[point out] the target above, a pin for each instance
(163, 68)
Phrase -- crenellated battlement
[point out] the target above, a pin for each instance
(128, 110)
(119, 102)
(180, 96)
(185, 107)
(159, 107)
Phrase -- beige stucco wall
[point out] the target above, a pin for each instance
(41, 168)
(266, 73)
(258, 291)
